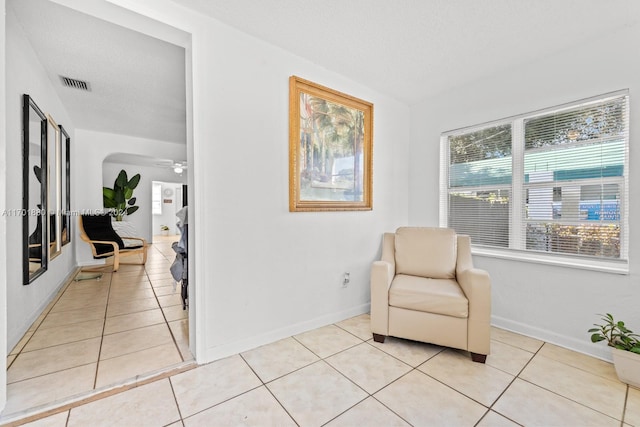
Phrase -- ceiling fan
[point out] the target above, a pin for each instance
(178, 167)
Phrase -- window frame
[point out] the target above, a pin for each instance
(517, 232)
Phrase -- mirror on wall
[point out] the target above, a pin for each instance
(34, 191)
(54, 186)
(65, 218)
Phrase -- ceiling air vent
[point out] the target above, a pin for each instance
(75, 84)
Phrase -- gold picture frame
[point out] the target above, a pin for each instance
(330, 149)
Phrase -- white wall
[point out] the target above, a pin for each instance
(25, 74)
(3, 222)
(262, 272)
(271, 273)
(554, 303)
(93, 148)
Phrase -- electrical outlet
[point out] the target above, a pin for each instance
(345, 281)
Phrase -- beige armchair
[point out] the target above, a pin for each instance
(425, 289)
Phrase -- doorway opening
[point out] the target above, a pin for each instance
(167, 201)
(94, 351)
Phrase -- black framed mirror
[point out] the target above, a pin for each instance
(54, 190)
(35, 227)
(65, 228)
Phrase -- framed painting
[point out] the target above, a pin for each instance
(330, 149)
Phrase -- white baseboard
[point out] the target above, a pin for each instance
(225, 350)
(585, 346)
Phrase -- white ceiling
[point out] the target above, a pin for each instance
(137, 82)
(408, 49)
(411, 49)
(140, 160)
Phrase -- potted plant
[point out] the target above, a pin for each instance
(625, 348)
(164, 230)
(120, 198)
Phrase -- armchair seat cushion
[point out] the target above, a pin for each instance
(125, 229)
(438, 296)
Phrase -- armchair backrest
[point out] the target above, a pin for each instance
(98, 227)
(426, 252)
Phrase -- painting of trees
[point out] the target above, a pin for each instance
(329, 132)
(333, 148)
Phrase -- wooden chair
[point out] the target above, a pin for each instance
(105, 242)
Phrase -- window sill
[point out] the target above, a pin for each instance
(607, 266)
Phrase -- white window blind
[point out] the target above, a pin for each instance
(552, 182)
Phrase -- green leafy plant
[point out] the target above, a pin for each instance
(164, 228)
(616, 334)
(120, 198)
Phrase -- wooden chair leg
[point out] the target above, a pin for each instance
(116, 261)
(379, 338)
(144, 255)
(480, 358)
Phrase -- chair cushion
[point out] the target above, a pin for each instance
(426, 252)
(98, 227)
(126, 229)
(439, 296)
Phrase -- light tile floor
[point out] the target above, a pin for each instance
(97, 333)
(337, 376)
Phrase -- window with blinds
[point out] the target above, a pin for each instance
(550, 183)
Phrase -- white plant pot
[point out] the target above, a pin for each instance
(627, 366)
(164, 232)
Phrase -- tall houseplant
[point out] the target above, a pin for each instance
(625, 348)
(120, 198)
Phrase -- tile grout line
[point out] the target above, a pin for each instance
(164, 316)
(489, 409)
(550, 391)
(353, 382)
(104, 325)
(50, 373)
(264, 384)
(79, 400)
(413, 368)
(624, 408)
(389, 409)
(50, 306)
(517, 376)
(569, 399)
(368, 395)
(175, 399)
(443, 383)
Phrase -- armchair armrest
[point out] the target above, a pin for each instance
(382, 274)
(92, 243)
(476, 285)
